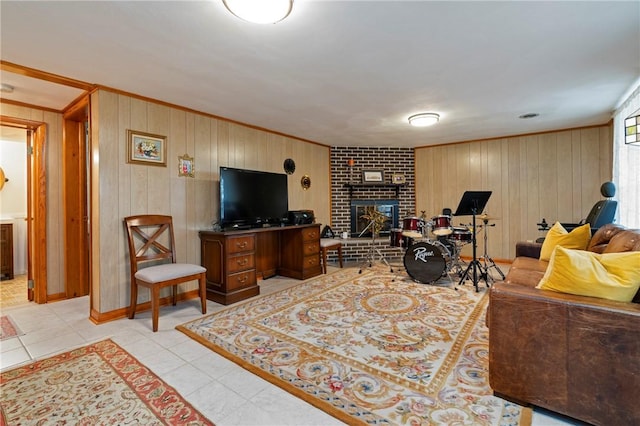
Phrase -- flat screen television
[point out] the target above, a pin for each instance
(249, 198)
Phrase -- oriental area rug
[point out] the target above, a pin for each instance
(368, 348)
(95, 384)
(8, 328)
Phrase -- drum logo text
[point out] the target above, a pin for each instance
(421, 253)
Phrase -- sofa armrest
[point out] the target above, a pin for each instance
(528, 249)
(549, 349)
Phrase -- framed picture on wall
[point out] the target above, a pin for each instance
(398, 178)
(372, 176)
(186, 166)
(146, 148)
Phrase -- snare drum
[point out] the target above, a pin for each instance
(441, 225)
(426, 262)
(398, 239)
(461, 234)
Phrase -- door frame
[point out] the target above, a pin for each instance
(36, 204)
(75, 170)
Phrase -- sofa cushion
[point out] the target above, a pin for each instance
(530, 264)
(558, 236)
(602, 237)
(613, 276)
(623, 241)
(525, 277)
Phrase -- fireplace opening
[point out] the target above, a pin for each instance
(360, 227)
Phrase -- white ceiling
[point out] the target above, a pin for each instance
(344, 73)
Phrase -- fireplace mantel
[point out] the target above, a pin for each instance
(396, 186)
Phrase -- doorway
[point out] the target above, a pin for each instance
(13, 216)
(75, 169)
(28, 213)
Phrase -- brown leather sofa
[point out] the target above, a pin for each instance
(575, 355)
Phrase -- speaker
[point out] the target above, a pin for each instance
(301, 217)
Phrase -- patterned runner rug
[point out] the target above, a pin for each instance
(8, 328)
(368, 348)
(96, 384)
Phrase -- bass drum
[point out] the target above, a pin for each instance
(426, 262)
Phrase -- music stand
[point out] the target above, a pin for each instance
(472, 204)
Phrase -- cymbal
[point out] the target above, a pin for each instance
(487, 217)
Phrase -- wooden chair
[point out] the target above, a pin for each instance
(151, 240)
(327, 244)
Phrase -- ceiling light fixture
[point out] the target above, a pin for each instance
(260, 11)
(424, 119)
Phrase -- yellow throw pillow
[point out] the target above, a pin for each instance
(613, 276)
(558, 236)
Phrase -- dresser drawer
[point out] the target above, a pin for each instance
(240, 262)
(240, 244)
(311, 261)
(241, 279)
(311, 247)
(310, 234)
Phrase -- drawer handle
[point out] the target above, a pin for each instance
(312, 234)
(241, 245)
(243, 279)
(243, 262)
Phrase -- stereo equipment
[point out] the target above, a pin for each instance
(301, 217)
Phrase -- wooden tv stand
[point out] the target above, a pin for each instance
(236, 259)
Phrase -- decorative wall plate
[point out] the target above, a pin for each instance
(305, 182)
(289, 166)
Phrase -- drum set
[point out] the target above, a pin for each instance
(428, 259)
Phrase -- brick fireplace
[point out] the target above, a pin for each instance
(402, 198)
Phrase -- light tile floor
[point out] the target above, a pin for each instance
(221, 390)
(13, 292)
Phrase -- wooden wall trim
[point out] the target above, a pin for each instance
(102, 317)
(193, 111)
(43, 75)
(26, 105)
(20, 123)
(521, 135)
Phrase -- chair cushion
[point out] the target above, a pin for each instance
(613, 276)
(329, 242)
(168, 271)
(558, 236)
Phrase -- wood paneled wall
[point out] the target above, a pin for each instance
(120, 189)
(555, 175)
(55, 220)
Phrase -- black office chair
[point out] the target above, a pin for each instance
(602, 213)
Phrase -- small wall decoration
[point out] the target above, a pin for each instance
(373, 176)
(289, 166)
(186, 166)
(398, 178)
(305, 182)
(146, 148)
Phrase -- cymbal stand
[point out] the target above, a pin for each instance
(373, 250)
(474, 266)
(487, 261)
